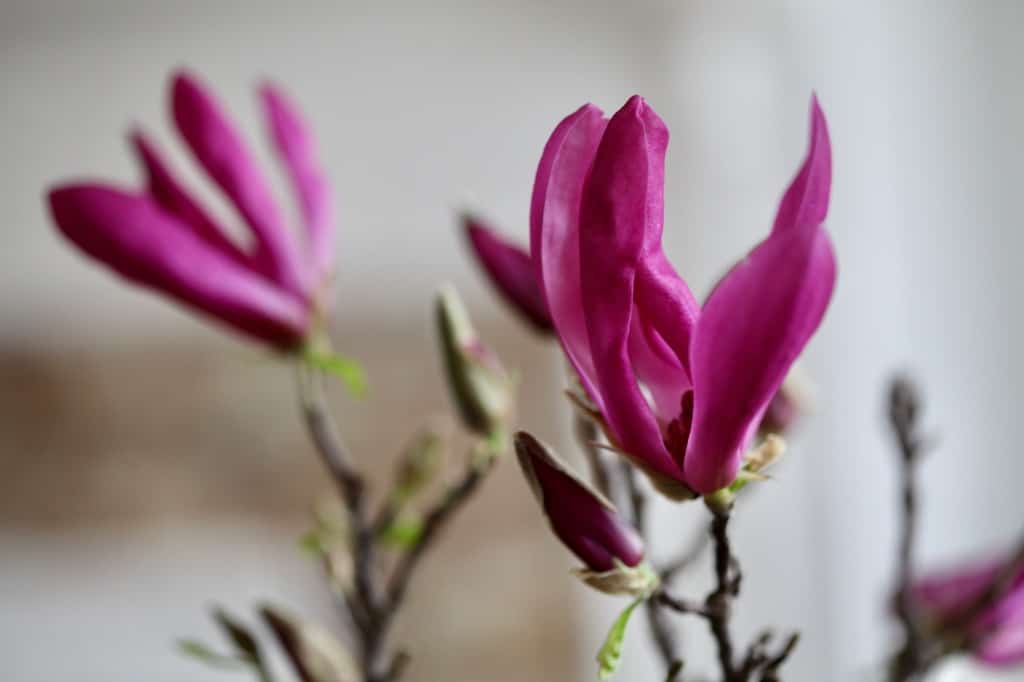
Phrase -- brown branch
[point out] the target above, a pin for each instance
(719, 603)
(434, 523)
(904, 410)
(372, 613)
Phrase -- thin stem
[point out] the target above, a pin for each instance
(904, 408)
(363, 603)
(434, 523)
(719, 603)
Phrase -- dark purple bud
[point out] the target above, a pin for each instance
(511, 271)
(580, 516)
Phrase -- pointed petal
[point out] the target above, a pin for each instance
(622, 202)
(297, 148)
(806, 200)
(173, 198)
(131, 234)
(217, 146)
(555, 232)
(511, 271)
(580, 516)
(751, 330)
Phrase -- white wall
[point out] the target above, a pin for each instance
(430, 106)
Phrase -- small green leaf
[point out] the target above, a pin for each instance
(312, 543)
(403, 533)
(204, 654)
(610, 654)
(345, 368)
(674, 671)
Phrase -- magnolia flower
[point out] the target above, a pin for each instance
(160, 237)
(626, 319)
(995, 634)
(611, 550)
(511, 272)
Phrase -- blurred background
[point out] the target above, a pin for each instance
(153, 466)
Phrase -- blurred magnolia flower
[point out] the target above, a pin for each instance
(994, 634)
(587, 524)
(624, 317)
(162, 238)
(510, 270)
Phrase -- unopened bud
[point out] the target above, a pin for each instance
(585, 521)
(420, 462)
(315, 654)
(481, 388)
(793, 400)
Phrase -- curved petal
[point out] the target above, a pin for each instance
(806, 200)
(1003, 648)
(218, 148)
(944, 594)
(136, 238)
(657, 368)
(622, 201)
(297, 149)
(511, 272)
(173, 198)
(664, 298)
(555, 232)
(751, 330)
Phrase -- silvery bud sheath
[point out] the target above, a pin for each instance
(587, 524)
(481, 388)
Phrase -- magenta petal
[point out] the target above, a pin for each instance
(1003, 648)
(555, 232)
(297, 148)
(581, 518)
(174, 199)
(806, 200)
(145, 244)
(943, 594)
(621, 203)
(511, 271)
(218, 148)
(751, 330)
(657, 368)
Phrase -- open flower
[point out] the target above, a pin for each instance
(510, 270)
(587, 524)
(995, 634)
(160, 237)
(626, 319)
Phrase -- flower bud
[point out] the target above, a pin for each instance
(789, 404)
(420, 462)
(314, 653)
(586, 522)
(511, 271)
(480, 387)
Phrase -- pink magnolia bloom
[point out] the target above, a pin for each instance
(510, 270)
(160, 237)
(997, 633)
(625, 318)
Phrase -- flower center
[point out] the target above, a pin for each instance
(677, 435)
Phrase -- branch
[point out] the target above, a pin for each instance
(904, 409)
(433, 524)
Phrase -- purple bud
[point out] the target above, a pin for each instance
(581, 517)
